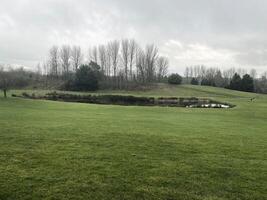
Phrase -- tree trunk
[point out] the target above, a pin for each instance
(5, 93)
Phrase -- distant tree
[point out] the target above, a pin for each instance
(208, 82)
(125, 55)
(102, 58)
(151, 56)
(87, 77)
(54, 61)
(140, 65)
(261, 84)
(247, 83)
(236, 82)
(175, 79)
(5, 82)
(162, 68)
(76, 57)
(186, 74)
(93, 54)
(132, 49)
(65, 56)
(253, 73)
(219, 80)
(194, 81)
(114, 48)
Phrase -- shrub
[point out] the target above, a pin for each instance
(175, 79)
(208, 82)
(194, 81)
(25, 94)
(87, 78)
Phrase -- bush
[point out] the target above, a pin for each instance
(87, 78)
(175, 79)
(208, 82)
(194, 81)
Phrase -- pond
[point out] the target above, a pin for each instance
(189, 102)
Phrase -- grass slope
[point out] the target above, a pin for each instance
(55, 150)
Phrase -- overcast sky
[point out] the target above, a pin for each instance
(220, 33)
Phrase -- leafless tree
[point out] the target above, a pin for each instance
(151, 55)
(219, 80)
(54, 60)
(114, 48)
(38, 69)
(132, 49)
(5, 81)
(202, 72)
(45, 66)
(140, 65)
(93, 54)
(253, 73)
(76, 57)
(241, 71)
(108, 59)
(125, 53)
(65, 56)
(186, 74)
(162, 67)
(191, 72)
(228, 74)
(103, 58)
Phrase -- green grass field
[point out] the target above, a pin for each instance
(55, 150)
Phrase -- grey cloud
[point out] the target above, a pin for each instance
(238, 28)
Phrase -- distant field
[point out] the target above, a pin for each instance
(56, 150)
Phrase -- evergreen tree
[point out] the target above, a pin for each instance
(194, 81)
(247, 83)
(236, 82)
(175, 79)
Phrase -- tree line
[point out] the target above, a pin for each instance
(123, 64)
(232, 78)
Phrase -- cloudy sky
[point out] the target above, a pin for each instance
(220, 33)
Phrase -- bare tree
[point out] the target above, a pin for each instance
(114, 47)
(95, 54)
(45, 66)
(219, 80)
(125, 52)
(103, 58)
(65, 56)
(191, 72)
(45, 71)
(202, 72)
(76, 57)
(151, 55)
(38, 69)
(132, 49)
(141, 65)
(5, 81)
(228, 74)
(54, 61)
(162, 67)
(253, 73)
(186, 74)
(241, 71)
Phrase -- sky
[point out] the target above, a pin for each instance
(217, 33)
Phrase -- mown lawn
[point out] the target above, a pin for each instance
(55, 150)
